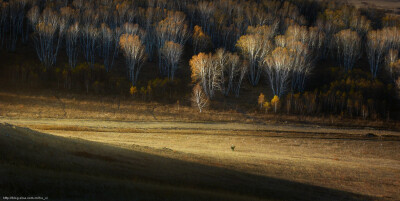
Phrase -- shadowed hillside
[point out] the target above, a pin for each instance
(38, 164)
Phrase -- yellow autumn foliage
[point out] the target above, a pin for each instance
(275, 102)
(261, 100)
(133, 90)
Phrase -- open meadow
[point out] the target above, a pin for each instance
(388, 5)
(71, 158)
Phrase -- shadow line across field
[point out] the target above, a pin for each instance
(39, 164)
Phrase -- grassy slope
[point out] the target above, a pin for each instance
(33, 163)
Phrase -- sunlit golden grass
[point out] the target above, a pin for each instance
(348, 162)
(33, 163)
(163, 149)
(345, 164)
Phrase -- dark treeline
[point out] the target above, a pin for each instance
(285, 44)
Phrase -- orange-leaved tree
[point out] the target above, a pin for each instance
(171, 53)
(201, 41)
(278, 66)
(254, 46)
(206, 73)
(348, 46)
(134, 52)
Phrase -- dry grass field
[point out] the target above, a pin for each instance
(392, 6)
(58, 148)
(59, 105)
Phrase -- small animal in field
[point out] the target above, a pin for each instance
(233, 147)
